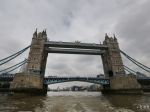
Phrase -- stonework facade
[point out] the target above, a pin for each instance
(23, 80)
(124, 82)
(112, 61)
(34, 78)
(37, 55)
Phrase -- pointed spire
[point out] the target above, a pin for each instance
(115, 37)
(44, 32)
(106, 36)
(35, 33)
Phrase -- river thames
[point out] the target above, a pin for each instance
(75, 102)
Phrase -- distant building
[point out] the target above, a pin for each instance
(76, 88)
(94, 87)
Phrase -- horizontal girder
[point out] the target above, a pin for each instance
(75, 51)
(102, 81)
(53, 80)
(75, 45)
(144, 81)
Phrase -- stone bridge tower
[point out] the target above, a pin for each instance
(32, 80)
(112, 61)
(37, 55)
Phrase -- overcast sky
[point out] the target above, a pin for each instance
(70, 20)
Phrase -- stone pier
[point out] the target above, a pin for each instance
(24, 83)
(123, 85)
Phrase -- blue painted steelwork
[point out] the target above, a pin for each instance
(54, 80)
(9, 58)
(6, 77)
(144, 78)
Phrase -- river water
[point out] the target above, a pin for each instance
(75, 102)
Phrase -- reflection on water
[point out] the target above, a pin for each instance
(134, 102)
(75, 102)
(18, 103)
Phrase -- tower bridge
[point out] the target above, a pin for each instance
(33, 79)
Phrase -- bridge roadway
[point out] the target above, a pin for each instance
(51, 80)
(54, 80)
(75, 45)
(144, 80)
(75, 51)
(75, 48)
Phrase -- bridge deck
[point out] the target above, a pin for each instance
(9, 78)
(54, 80)
(144, 81)
(74, 51)
(75, 45)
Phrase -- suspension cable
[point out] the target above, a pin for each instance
(15, 53)
(13, 66)
(135, 62)
(139, 65)
(133, 59)
(130, 69)
(16, 67)
(9, 58)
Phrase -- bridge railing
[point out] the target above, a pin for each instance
(53, 80)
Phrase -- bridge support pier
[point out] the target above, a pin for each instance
(24, 83)
(123, 85)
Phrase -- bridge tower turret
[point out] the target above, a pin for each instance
(112, 61)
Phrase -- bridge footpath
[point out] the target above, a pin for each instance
(5, 81)
(95, 80)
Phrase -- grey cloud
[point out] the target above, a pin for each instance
(70, 20)
(133, 27)
(74, 64)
